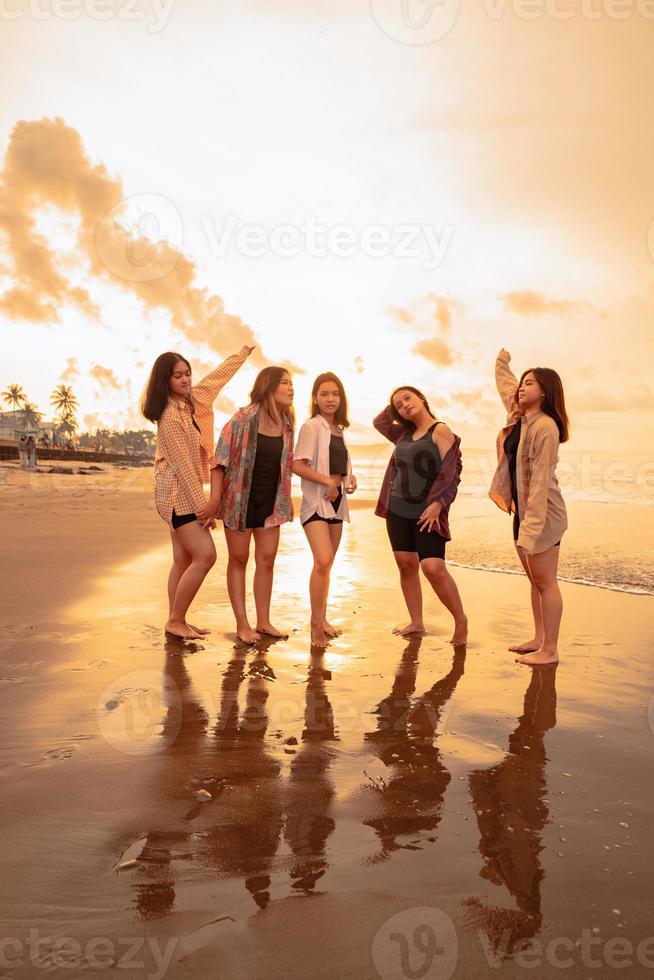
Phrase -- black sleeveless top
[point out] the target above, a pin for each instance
(511, 450)
(417, 464)
(337, 456)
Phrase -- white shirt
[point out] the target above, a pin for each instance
(312, 447)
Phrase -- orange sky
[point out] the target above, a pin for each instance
(352, 191)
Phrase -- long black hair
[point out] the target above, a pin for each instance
(553, 403)
(157, 390)
(406, 423)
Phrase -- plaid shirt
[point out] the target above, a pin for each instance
(236, 451)
(444, 488)
(181, 462)
(541, 508)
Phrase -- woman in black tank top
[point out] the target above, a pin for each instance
(419, 486)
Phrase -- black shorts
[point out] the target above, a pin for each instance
(516, 529)
(405, 535)
(260, 507)
(180, 519)
(327, 520)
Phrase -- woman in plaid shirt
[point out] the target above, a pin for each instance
(184, 416)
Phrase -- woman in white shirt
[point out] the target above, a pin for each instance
(322, 460)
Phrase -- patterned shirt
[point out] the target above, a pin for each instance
(181, 462)
(446, 483)
(236, 450)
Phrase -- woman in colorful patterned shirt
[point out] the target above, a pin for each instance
(526, 486)
(251, 493)
(184, 416)
(421, 482)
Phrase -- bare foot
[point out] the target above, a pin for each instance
(538, 657)
(199, 630)
(268, 630)
(318, 637)
(247, 636)
(411, 630)
(330, 630)
(180, 630)
(529, 646)
(460, 635)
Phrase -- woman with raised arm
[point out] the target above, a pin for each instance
(420, 484)
(184, 416)
(525, 485)
(251, 493)
(322, 460)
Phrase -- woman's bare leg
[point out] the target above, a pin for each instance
(438, 576)
(181, 561)
(238, 549)
(534, 644)
(543, 569)
(197, 542)
(266, 542)
(409, 566)
(335, 534)
(320, 541)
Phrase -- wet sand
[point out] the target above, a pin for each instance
(388, 808)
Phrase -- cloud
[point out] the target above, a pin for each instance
(531, 303)
(71, 371)
(359, 364)
(431, 314)
(435, 350)
(46, 164)
(106, 377)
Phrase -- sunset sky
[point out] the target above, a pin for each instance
(515, 152)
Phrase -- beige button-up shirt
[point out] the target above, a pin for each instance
(313, 448)
(181, 462)
(541, 507)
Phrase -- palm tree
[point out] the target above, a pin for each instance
(30, 416)
(15, 396)
(64, 400)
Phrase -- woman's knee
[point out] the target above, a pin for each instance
(323, 563)
(265, 562)
(434, 569)
(239, 561)
(407, 566)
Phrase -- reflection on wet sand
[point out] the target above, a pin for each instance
(408, 802)
(310, 790)
(253, 808)
(510, 800)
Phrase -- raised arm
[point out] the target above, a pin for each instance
(389, 428)
(506, 381)
(207, 390)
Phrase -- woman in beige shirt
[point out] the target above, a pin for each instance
(184, 416)
(525, 485)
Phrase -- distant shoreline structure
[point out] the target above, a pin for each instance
(9, 454)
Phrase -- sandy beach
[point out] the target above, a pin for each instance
(389, 808)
